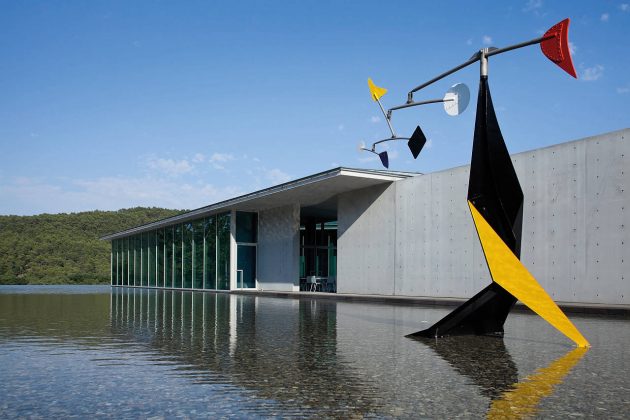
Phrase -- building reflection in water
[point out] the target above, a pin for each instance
(487, 362)
(282, 349)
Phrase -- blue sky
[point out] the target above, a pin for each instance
(108, 105)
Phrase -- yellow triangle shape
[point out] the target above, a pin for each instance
(522, 400)
(376, 91)
(512, 275)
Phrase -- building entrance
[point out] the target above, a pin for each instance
(246, 246)
(318, 255)
(246, 266)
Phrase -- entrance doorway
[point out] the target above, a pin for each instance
(246, 266)
(246, 246)
(318, 255)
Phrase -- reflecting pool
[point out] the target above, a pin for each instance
(96, 351)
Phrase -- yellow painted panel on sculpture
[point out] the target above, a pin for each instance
(376, 91)
(512, 275)
(523, 399)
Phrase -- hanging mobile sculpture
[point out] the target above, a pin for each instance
(495, 200)
(455, 102)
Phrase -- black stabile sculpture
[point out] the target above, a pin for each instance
(493, 189)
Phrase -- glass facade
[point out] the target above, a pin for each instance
(168, 257)
(223, 251)
(177, 256)
(124, 261)
(187, 257)
(152, 260)
(318, 252)
(190, 255)
(136, 261)
(197, 260)
(145, 259)
(160, 257)
(210, 253)
(246, 239)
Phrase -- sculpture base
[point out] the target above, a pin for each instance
(483, 314)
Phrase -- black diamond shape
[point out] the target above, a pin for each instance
(416, 142)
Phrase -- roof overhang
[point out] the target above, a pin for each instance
(308, 191)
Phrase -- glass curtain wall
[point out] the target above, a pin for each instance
(198, 235)
(187, 257)
(123, 260)
(194, 254)
(143, 259)
(111, 262)
(318, 250)
(210, 253)
(246, 239)
(223, 251)
(168, 256)
(152, 260)
(136, 261)
(114, 262)
(130, 261)
(160, 258)
(119, 262)
(177, 256)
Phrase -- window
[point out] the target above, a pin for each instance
(223, 251)
(187, 255)
(210, 263)
(177, 256)
(198, 231)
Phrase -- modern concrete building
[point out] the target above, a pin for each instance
(354, 231)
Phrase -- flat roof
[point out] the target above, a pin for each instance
(308, 191)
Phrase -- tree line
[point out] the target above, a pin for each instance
(65, 248)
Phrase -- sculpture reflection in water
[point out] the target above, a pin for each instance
(282, 350)
(487, 362)
(523, 399)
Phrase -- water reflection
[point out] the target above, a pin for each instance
(285, 350)
(66, 316)
(157, 353)
(484, 360)
(522, 400)
(487, 362)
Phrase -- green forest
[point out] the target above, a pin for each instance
(65, 248)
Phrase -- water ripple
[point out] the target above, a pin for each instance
(163, 354)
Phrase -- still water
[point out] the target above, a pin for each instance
(94, 351)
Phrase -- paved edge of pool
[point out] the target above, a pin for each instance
(569, 307)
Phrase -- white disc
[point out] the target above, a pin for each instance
(456, 99)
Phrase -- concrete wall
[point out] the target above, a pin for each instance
(416, 237)
(366, 232)
(278, 248)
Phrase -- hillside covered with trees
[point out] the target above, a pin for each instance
(65, 248)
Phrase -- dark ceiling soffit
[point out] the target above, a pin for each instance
(223, 205)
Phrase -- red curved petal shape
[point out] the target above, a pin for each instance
(556, 48)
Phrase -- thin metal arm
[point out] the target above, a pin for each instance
(409, 105)
(521, 45)
(441, 76)
(474, 59)
(392, 139)
(387, 116)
